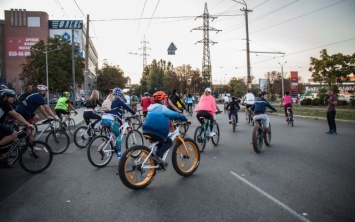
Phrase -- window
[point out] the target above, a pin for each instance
(34, 22)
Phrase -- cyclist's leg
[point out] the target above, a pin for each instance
(7, 135)
(115, 128)
(92, 115)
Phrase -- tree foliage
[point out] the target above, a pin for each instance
(110, 77)
(332, 69)
(59, 65)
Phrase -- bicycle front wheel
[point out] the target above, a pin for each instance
(58, 140)
(136, 123)
(134, 137)
(182, 130)
(100, 151)
(36, 160)
(257, 138)
(135, 169)
(185, 160)
(71, 126)
(82, 136)
(215, 139)
(199, 137)
(267, 136)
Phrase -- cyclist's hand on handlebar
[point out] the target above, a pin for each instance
(218, 112)
(30, 126)
(76, 113)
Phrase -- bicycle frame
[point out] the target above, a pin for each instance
(49, 125)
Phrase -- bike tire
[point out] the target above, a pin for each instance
(215, 139)
(267, 136)
(58, 140)
(130, 169)
(35, 131)
(292, 121)
(82, 136)
(186, 161)
(200, 132)
(96, 156)
(182, 130)
(134, 138)
(257, 139)
(71, 126)
(137, 123)
(13, 156)
(234, 124)
(38, 162)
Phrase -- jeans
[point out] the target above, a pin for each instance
(234, 113)
(331, 121)
(263, 117)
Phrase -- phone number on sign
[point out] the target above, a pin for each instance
(19, 53)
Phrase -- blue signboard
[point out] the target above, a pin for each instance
(65, 24)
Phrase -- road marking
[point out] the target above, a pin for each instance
(299, 216)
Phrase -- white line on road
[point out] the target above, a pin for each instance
(302, 218)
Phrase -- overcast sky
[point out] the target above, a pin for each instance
(298, 28)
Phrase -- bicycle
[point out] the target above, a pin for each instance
(34, 157)
(202, 133)
(249, 116)
(101, 148)
(137, 167)
(13, 124)
(84, 134)
(234, 121)
(57, 139)
(190, 108)
(138, 121)
(289, 117)
(183, 126)
(260, 136)
(70, 124)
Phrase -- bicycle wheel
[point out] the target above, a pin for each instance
(58, 140)
(215, 139)
(234, 124)
(291, 120)
(82, 136)
(182, 130)
(135, 169)
(133, 138)
(37, 160)
(100, 151)
(267, 136)
(13, 156)
(71, 126)
(257, 138)
(185, 161)
(35, 131)
(136, 123)
(199, 137)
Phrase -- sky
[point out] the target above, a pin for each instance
(282, 33)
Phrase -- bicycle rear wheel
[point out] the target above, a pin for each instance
(82, 136)
(136, 123)
(71, 126)
(257, 138)
(267, 136)
(37, 160)
(100, 151)
(234, 124)
(215, 139)
(185, 161)
(131, 168)
(58, 140)
(199, 137)
(134, 137)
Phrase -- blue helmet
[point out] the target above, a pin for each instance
(117, 91)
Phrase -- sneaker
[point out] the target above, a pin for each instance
(199, 139)
(230, 121)
(212, 134)
(119, 155)
(333, 133)
(37, 148)
(237, 124)
(329, 132)
(157, 158)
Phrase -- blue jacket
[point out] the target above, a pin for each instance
(33, 101)
(117, 105)
(260, 105)
(157, 121)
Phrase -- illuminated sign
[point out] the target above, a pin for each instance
(65, 24)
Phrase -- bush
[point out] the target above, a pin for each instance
(342, 103)
(306, 102)
(317, 102)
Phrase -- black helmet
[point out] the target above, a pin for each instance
(8, 92)
(261, 93)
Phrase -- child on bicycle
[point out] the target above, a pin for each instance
(259, 108)
(62, 107)
(234, 107)
(287, 102)
(108, 118)
(156, 125)
(189, 101)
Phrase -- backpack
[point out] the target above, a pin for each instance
(106, 105)
(88, 103)
(23, 96)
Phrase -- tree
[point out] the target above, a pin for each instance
(238, 87)
(332, 69)
(110, 77)
(59, 65)
(272, 77)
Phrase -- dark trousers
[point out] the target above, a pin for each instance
(163, 146)
(91, 115)
(285, 108)
(206, 115)
(331, 121)
(234, 113)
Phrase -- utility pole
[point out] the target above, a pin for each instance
(73, 66)
(86, 72)
(282, 76)
(206, 63)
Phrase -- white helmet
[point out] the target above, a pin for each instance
(42, 87)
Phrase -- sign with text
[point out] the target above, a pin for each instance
(294, 84)
(65, 24)
(20, 46)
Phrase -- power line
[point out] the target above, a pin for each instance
(152, 16)
(142, 14)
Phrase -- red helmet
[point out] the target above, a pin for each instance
(160, 95)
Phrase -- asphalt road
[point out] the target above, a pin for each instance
(306, 175)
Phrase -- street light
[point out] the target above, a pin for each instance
(282, 76)
(46, 52)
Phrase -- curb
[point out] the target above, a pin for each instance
(317, 118)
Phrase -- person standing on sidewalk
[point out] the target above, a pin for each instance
(331, 101)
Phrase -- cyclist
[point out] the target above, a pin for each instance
(176, 100)
(189, 100)
(134, 101)
(156, 125)
(89, 112)
(249, 98)
(145, 103)
(62, 107)
(206, 108)
(259, 108)
(287, 102)
(7, 135)
(226, 100)
(109, 120)
(234, 107)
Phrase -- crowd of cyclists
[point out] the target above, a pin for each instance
(157, 110)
